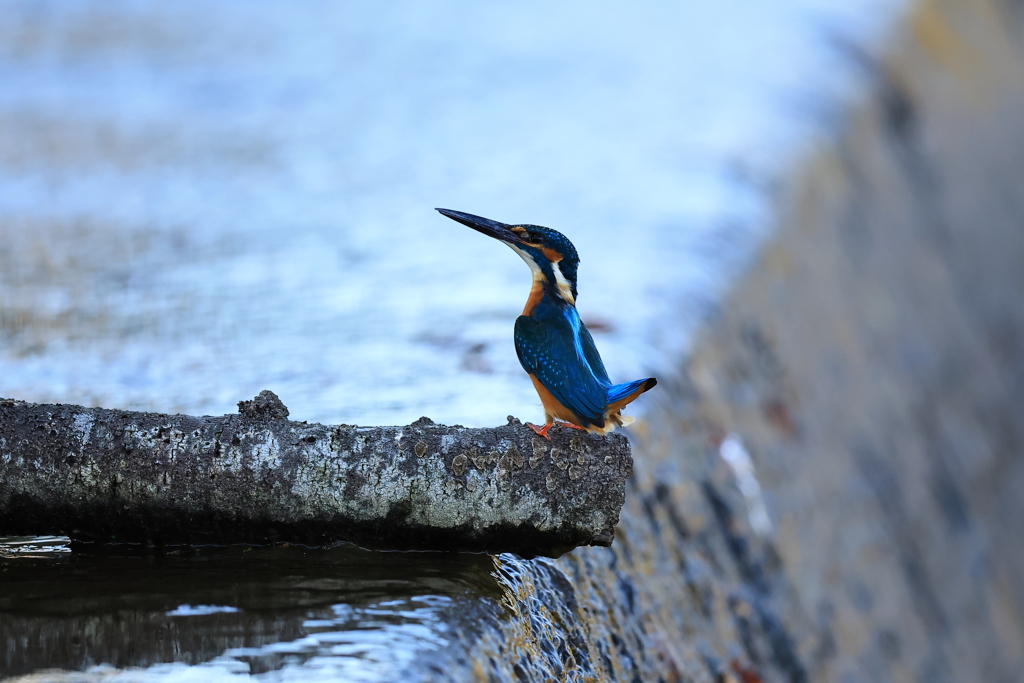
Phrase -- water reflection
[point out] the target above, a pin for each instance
(342, 614)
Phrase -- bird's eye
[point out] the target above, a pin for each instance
(533, 238)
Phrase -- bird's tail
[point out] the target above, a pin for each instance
(620, 395)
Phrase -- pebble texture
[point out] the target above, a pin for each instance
(111, 475)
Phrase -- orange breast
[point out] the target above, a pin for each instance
(552, 406)
(536, 293)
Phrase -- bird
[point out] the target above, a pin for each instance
(554, 346)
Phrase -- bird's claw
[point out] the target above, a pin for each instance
(541, 431)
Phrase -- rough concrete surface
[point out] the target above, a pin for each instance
(112, 475)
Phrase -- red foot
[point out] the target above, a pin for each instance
(541, 431)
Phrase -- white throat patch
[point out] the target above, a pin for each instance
(564, 288)
(534, 268)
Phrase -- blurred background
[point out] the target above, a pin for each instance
(202, 200)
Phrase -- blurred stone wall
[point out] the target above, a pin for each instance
(872, 361)
(870, 364)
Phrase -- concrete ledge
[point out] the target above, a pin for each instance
(116, 476)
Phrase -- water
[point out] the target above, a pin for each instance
(199, 201)
(346, 613)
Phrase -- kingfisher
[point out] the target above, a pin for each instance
(554, 346)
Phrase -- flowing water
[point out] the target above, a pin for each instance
(201, 200)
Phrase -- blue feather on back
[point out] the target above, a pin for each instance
(554, 346)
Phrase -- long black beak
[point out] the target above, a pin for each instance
(485, 225)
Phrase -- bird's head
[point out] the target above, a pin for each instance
(549, 253)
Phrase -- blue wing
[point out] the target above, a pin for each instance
(591, 354)
(553, 350)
